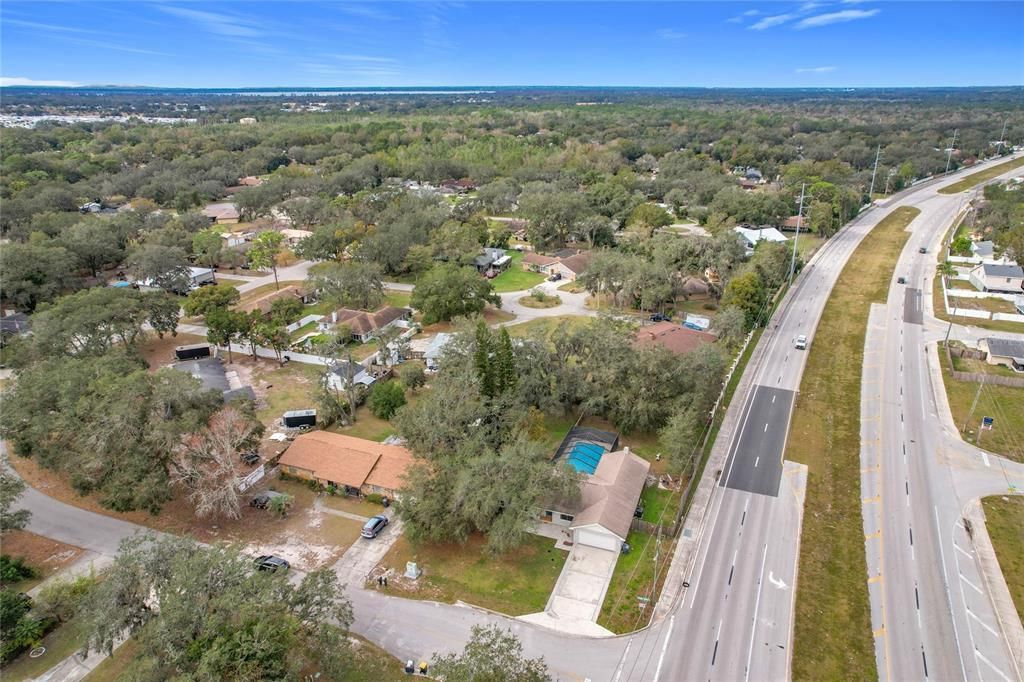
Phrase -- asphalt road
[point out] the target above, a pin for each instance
(932, 615)
(734, 620)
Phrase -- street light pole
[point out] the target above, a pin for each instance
(799, 218)
(878, 152)
(949, 157)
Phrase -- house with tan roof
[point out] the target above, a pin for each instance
(265, 302)
(364, 325)
(221, 213)
(608, 499)
(347, 463)
(569, 263)
(671, 336)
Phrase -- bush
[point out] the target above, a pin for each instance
(14, 570)
(412, 376)
(376, 498)
(385, 399)
(332, 490)
(61, 599)
(18, 629)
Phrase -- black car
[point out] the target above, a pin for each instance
(922, 250)
(260, 501)
(555, 277)
(901, 280)
(639, 511)
(374, 526)
(250, 458)
(660, 317)
(269, 562)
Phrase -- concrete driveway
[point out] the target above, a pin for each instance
(575, 603)
(355, 564)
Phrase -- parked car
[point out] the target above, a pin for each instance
(801, 342)
(269, 562)
(250, 458)
(660, 317)
(639, 511)
(374, 526)
(555, 277)
(260, 501)
(901, 280)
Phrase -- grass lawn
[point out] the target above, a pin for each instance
(807, 243)
(398, 299)
(283, 388)
(992, 305)
(515, 584)
(832, 635)
(371, 427)
(549, 301)
(633, 583)
(516, 279)
(352, 505)
(60, 643)
(490, 314)
(303, 330)
(994, 325)
(265, 289)
(1004, 518)
(961, 284)
(46, 556)
(1000, 402)
(573, 287)
(655, 501)
(114, 666)
(982, 176)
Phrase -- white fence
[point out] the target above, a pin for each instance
(974, 260)
(303, 322)
(1008, 317)
(967, 293)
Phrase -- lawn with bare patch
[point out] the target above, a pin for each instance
(46, 556)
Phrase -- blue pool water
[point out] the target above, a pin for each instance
(585, 456)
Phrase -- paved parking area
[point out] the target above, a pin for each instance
(358, 560)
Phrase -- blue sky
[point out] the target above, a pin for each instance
(721, 44)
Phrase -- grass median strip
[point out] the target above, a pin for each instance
(982, 176)
(1004, 519)
(832, 638)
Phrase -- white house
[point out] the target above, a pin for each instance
(999, 277)
(1006, 352)
(343, 372)
(751, 238)
(199, 276)
(608, 500)
(984, 250)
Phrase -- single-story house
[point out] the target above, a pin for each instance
(364, 325)
(1007, 352)
(354, 465)
(91, 207)
(200, 276)
(984, 250)
(222, 213)
(214, 377)
(343, 372)
(432, 354)
(492, 261)
(570, 267)
(232, 239)
(999, 277)
(751, 237)
(794, 221)
(293, 237)
(749, 185)
(250, 181)
(537, 262)
(673, 337)
(13, 324)
(265, 302)
(604, 513)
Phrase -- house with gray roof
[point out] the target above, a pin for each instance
(984, 250)
(214, 377)
(492, 261)
(998, 277)
(1006, 352)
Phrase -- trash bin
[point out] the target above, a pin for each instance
(385, 501)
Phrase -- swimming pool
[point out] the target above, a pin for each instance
(584, 456)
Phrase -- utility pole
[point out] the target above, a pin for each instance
(949, 157)
(878, 152)
(1002, 137)
(799, 218)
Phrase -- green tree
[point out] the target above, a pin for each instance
(385, 399)
(284, 311)
(483, 360)
(266, 249)
(31, 274)
(165, 267)
(324, 244)
(94, 243)
(273, 335)
(447, 291)
(204, 300)
(205, 612)
(649, 215)
(746, 291)
(505, 363)
(207, 246)
(354, 284)
(281, 504)
(491, 654)
(223, 326)
(11, 488)
(412, 376)
(731, 323)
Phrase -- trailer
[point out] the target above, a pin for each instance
(293, 419)
(193, 351)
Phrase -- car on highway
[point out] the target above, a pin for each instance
(271, 563)
(374, 526)
(922, 250)
(901, 280)
(801, 342)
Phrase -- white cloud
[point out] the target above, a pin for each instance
(815, 69)
(366, 11)
(45, 27)
(835, 18)
(363, 58)
(212, 22)
(8, 81)
(775, 20)
(670, 34)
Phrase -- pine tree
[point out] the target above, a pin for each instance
(505, 363)
(482, 360)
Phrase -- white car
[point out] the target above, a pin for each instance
(801, 342)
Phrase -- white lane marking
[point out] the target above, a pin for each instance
(991, 665)
(777, 582)
(984, 458)
(983, 624)
(757, 606)
(766, 428)
(773, 399)
(976, 588)
(963, 551)
(756, 460)
(949, 596)
(664, 647)
(622, 664)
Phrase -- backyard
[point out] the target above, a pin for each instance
(1004, 519)
(515, 278)
(517, 583)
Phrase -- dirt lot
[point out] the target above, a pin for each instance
(160, 352)
(46, 556)
(308, 537)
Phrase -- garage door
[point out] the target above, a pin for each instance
(597, 538)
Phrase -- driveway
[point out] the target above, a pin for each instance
(354, 566)
(575, 603)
